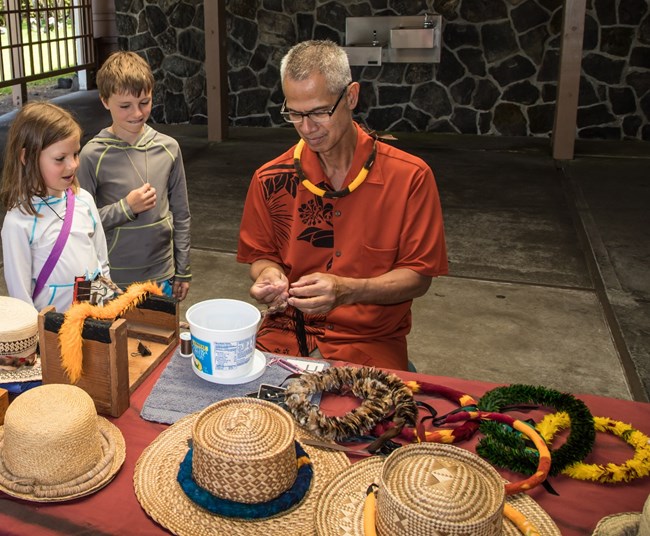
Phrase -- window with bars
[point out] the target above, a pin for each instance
(44, 38)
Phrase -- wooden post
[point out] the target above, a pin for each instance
(4, 404)
(568, 86)
(104, 29)
(216, 69)
(18, 91)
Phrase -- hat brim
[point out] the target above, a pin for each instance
(113, 445)
(624, 524)
(162, 498)
(22, 374)
(340, 505)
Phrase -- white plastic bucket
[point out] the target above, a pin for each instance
(223, 338)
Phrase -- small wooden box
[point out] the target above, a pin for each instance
(4, 404)
(111, 367)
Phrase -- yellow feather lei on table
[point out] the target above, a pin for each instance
(70, 334)
(636, 467)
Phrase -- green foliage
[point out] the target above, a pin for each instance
(43, 82)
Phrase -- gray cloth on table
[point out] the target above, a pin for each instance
(179, 391)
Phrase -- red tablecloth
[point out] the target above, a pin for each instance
(115, 510)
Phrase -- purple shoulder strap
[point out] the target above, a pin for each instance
(53, 258)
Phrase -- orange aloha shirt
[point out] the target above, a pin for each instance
(393, 220)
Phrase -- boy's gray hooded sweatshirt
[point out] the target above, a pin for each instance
(153, 245)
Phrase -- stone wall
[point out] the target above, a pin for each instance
(497, 74)
(169, 34)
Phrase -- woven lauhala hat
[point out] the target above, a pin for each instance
(233, 469)
(626, 523)
(425, 489)
(54, 446)
(18, 327)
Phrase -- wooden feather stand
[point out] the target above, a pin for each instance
(4, 404)
(112, 366)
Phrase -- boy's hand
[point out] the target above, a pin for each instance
(142, 199)
(179, 289)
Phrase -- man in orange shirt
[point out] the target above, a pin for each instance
(342, 231)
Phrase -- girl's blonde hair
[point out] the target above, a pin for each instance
(37, 126)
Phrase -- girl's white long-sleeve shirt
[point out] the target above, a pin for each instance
(27, 241)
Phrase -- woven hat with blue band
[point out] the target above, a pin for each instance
(239, 468)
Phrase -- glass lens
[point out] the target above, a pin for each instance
(320, 117)
(291, 118)
(316, 117)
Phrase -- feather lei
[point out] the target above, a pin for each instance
(70, 334)
(505, 448)
(636, 467)
(383, 395)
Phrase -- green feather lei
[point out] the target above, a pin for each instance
(506, 448)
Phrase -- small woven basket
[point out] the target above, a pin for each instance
(244, 450)
(445, 489)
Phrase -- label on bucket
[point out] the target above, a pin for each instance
(215, 356)
(230, 355)
(202, 356)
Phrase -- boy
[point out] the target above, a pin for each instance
(137, 177)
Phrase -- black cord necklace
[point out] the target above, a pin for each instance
(329, 194)
(51, 208)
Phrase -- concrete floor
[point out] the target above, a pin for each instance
(548, 275)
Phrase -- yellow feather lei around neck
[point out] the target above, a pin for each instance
(70, 334)
(636, 467)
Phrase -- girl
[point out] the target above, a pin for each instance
(52, 232)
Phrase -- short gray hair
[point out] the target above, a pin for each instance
(324, 57)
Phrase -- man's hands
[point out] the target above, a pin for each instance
(271, 287)
(142, 199)
(312, 294)
(317, 293)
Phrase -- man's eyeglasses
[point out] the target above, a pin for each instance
(317, 116)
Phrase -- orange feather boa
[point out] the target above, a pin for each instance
(70, 334)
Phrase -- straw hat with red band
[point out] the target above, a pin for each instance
(426, 489)
(236, 468)
(54, 446)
